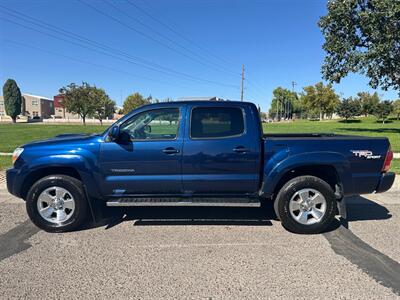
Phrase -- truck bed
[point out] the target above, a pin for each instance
(331, 136)
(363, 170)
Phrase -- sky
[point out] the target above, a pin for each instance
(167, 48)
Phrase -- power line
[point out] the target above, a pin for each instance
(81, 39)
(256, 89)
(72, 35)
(209, 63)
(88, 63)
(143, 62)
(212, 53)
(140, 32)
(80, 45)
(257, 86)
(119, 58)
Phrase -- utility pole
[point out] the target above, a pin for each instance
(241, 93)
(284, 104)
(293, 85)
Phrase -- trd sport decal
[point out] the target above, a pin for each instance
(365, 153)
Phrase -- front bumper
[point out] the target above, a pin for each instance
(385, 182)
(12, 186)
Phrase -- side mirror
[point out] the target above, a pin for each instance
(113, 134)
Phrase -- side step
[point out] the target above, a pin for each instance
(224, 202)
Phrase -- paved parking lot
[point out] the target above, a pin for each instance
(203, 253)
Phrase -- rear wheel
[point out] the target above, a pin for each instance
(57, 203)
(306, 204)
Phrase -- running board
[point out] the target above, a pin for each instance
(223, 202)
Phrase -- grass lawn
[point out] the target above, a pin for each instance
(14, 135)
(5, 162)
(365, 127)
(395, 166)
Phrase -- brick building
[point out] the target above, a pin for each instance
(32, 106)
(60, 111)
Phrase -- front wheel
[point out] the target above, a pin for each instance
(57, 203)
(306, 204)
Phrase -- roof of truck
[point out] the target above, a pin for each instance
(203, 102)
(195, 103)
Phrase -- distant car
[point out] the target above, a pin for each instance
(36, 118)
(197, 153)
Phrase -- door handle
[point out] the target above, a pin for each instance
(170, 150)
(241, 149)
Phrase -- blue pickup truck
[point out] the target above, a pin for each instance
(199, 153)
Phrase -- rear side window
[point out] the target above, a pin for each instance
(216, 122)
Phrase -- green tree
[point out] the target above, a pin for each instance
(348, 108)
(104, 106)
(321, 99)
(368, 102)
(396, 108)
(283, 103)
(134, 101)
(383, 110)
(12, 99)
(79, 99)
(362, 36)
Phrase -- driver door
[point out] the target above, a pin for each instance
(147, 158)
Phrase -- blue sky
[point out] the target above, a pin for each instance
(171, 48)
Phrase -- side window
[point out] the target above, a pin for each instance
(216, 122)
(158, 124)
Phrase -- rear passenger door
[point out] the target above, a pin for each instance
(220, 155)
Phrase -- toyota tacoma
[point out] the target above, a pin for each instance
(197, 153)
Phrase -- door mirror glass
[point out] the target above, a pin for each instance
(113, 134)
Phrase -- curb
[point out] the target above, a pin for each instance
(5, 154)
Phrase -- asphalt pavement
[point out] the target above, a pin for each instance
(203, 253)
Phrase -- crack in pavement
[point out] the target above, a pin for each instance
(377, 265)
(14, 240)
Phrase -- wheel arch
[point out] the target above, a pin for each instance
(331, 167)
(39, 173)
(327, 173)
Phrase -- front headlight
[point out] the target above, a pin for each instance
(17, 152)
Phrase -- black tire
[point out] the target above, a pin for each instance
(74, 187)
(294, 185)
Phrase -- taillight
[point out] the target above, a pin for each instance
(388, 160)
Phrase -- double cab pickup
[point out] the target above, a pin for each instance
(197, 153)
